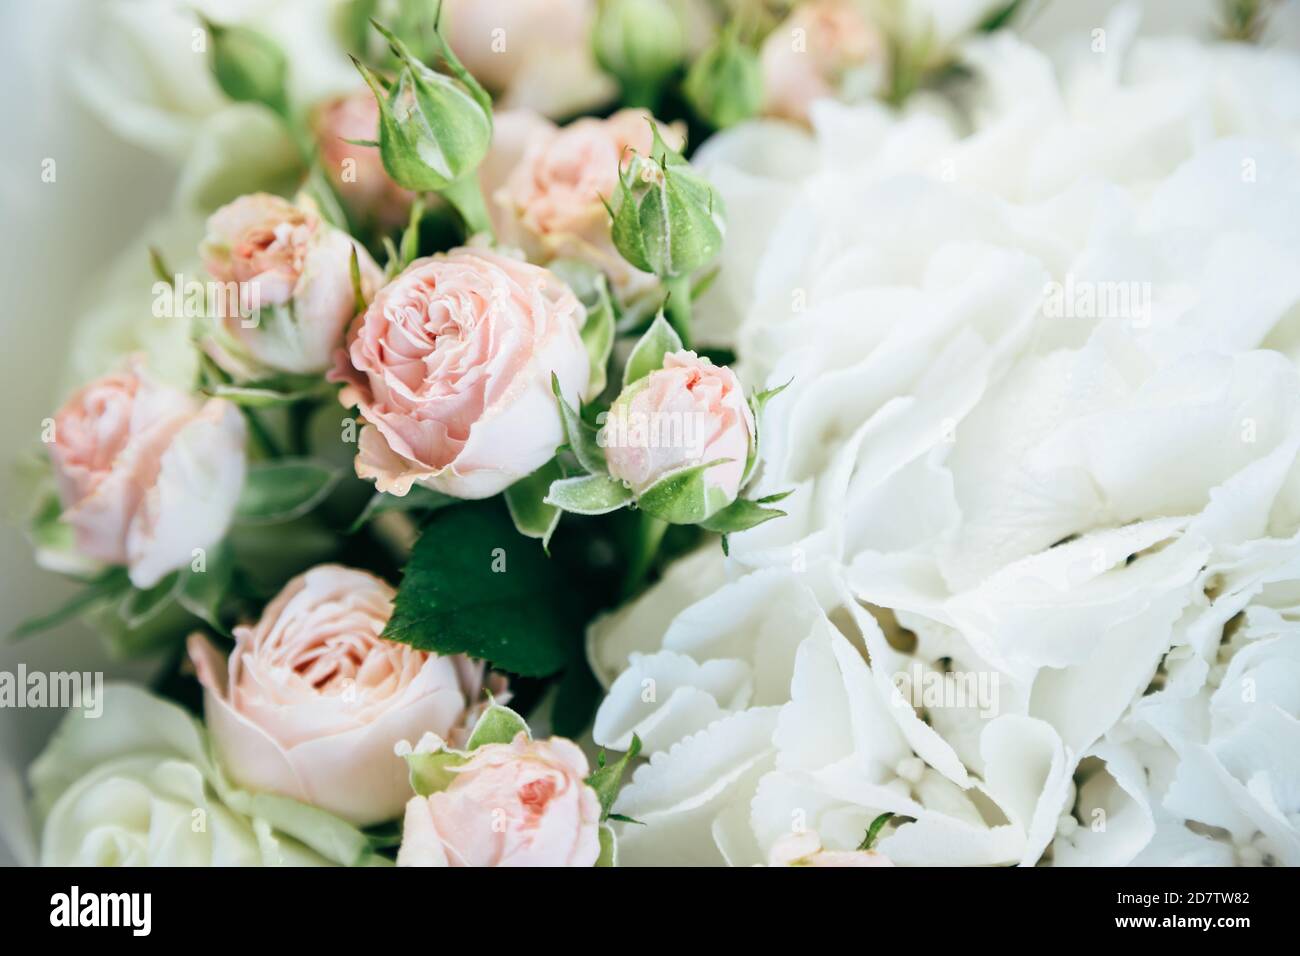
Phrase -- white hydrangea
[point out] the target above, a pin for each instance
(1042, 430)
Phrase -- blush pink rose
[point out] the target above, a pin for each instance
(805, 849)
(551, 203)
(146, 473)
(312, 700)
(451, 369)
(687, 413)
(357, 172)
(525, 803)
(807, 55)
(294, 278)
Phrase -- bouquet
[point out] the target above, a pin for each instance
(669, 432)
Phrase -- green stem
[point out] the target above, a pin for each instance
(649, 534)
(261, 434)
(678, 308)
(640, 94)
(466, 196)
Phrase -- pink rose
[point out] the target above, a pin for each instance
(312, 701)
(295, 295)
(550, 204)
(533, 54)
(524, 803)
(687, 413)
(451, 368)
(357, 172)
(805, 849)
(146, 473)
(805, 58)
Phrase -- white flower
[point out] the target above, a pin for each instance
(1042, 426)
(135, 787)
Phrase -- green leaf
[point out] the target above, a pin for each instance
(526, 499)
(433, 772)
(578, 435)
(648, 354)
(201, 592)
(873, 831)
(498, 725)
(331, 837)
(608, 777)
(589, 494)
(417, 499)
(473, 586)
(740, 515)
(684, 497)
(108, 585)
(278, 491)
(608, 847)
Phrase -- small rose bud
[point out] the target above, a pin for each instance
(434, 129)
(686, 414)
(668, 220)
(725, 85)
(640, 43)
(248, 66)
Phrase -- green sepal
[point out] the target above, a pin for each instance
(757, 402)
(648, 353)
(740, 515)
(608, 777)
(589, 494)
(533, 516)
(498, 724)
(684, 497)
(578, 435)
(358, 291)
(433, 772)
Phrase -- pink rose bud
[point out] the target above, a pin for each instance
(148, 475)
(805, 849)
(357, 172)
(807, 56)
(550, 205)
(312, 700)
(451, 369)
(524, 803)
(687, 413)
(294, 285)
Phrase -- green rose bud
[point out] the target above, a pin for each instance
(248, 66)
(667, 219)
(640, 43)
(725, 85)
(434, 128)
